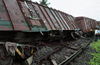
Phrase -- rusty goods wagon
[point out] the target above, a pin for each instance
(25, 25)
(85, 24)
(98, 23)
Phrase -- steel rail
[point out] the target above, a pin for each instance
(65, 62)
(47, 55)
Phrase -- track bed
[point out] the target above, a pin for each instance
(60, 54)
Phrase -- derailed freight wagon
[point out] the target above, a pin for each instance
(24, 25)
(86, 25)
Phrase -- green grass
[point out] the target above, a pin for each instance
(96, 56)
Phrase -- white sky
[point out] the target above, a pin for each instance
(87, 8)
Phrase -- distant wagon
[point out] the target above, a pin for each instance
(86, 25)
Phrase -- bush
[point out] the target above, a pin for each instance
(96, 56)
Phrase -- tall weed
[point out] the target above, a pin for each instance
(96, 56)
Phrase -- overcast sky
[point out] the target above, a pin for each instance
(87, 8)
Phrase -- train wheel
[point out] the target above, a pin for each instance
(5, 59)
(75, 35)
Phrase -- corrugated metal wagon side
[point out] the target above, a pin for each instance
(57, 20)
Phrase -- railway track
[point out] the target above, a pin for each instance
(60, 54)
(73, 56)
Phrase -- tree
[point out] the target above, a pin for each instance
(44, 2)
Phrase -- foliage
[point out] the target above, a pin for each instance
(44, 2)
(96, 56)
